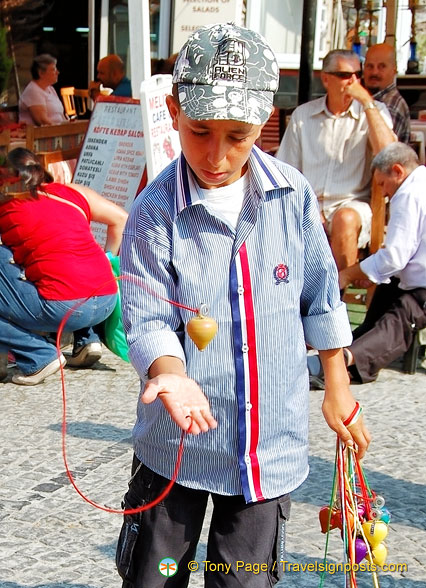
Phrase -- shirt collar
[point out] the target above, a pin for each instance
(264, 176)
(320, 106)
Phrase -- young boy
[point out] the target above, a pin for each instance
(231, 227)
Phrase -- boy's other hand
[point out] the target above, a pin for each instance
(336, 409)
(182, 398)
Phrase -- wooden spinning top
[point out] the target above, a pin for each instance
(202, 328)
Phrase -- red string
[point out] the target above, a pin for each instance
(165, 492)
(364, 490)
(117, 279)
(351, 416)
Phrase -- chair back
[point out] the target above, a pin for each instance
(81, 100)
(377, 236)
(67, 95)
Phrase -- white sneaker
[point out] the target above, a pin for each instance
(85, 356)
(41, 375)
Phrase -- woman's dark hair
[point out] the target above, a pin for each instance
(25, 163)
(40, 63)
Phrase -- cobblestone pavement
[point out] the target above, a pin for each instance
(51, 538)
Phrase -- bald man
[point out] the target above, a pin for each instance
(379, 79)
(111, 74)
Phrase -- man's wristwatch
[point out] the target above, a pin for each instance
(369, 105)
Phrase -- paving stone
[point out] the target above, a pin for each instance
(51, 538)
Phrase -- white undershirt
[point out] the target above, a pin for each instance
(226, 202)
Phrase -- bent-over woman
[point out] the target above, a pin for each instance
(49, 261)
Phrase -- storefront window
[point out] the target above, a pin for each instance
(280, 22)
(118, 30)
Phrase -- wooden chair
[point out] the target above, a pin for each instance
(274, 129)
(76, 101)
(378, 220)
(67, 95)
(378, 223)
(81, 99)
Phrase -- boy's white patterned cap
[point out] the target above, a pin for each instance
(226, 72)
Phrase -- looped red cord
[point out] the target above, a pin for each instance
(165, 492)
(351, 416)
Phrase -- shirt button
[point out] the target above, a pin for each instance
(244, 348)
(247, 459)
(249, 406)
(240, 290)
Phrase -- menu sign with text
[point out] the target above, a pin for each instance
(162, 143)
(112, 158)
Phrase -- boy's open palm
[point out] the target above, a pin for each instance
(182, 398)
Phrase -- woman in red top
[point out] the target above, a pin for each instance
(49, 260)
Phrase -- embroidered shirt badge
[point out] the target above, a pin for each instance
(281, 273)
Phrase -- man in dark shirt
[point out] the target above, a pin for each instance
(379, 79)
(111, 74)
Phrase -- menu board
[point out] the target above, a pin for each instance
(162, 143)
(112, 158)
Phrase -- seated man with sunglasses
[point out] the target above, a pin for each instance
(332, 141)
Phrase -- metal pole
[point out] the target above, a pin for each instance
(307, 51)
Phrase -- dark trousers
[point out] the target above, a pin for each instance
(391, 322)
(242, 537)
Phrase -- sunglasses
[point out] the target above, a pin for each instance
(345, 75)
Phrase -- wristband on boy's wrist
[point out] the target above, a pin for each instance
(354, 416)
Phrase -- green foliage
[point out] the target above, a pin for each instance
(5, 60)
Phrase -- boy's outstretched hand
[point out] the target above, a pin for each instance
(182, 398)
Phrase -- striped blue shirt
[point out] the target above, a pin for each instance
(271, 286)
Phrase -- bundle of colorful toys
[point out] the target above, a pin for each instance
(361, 516)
